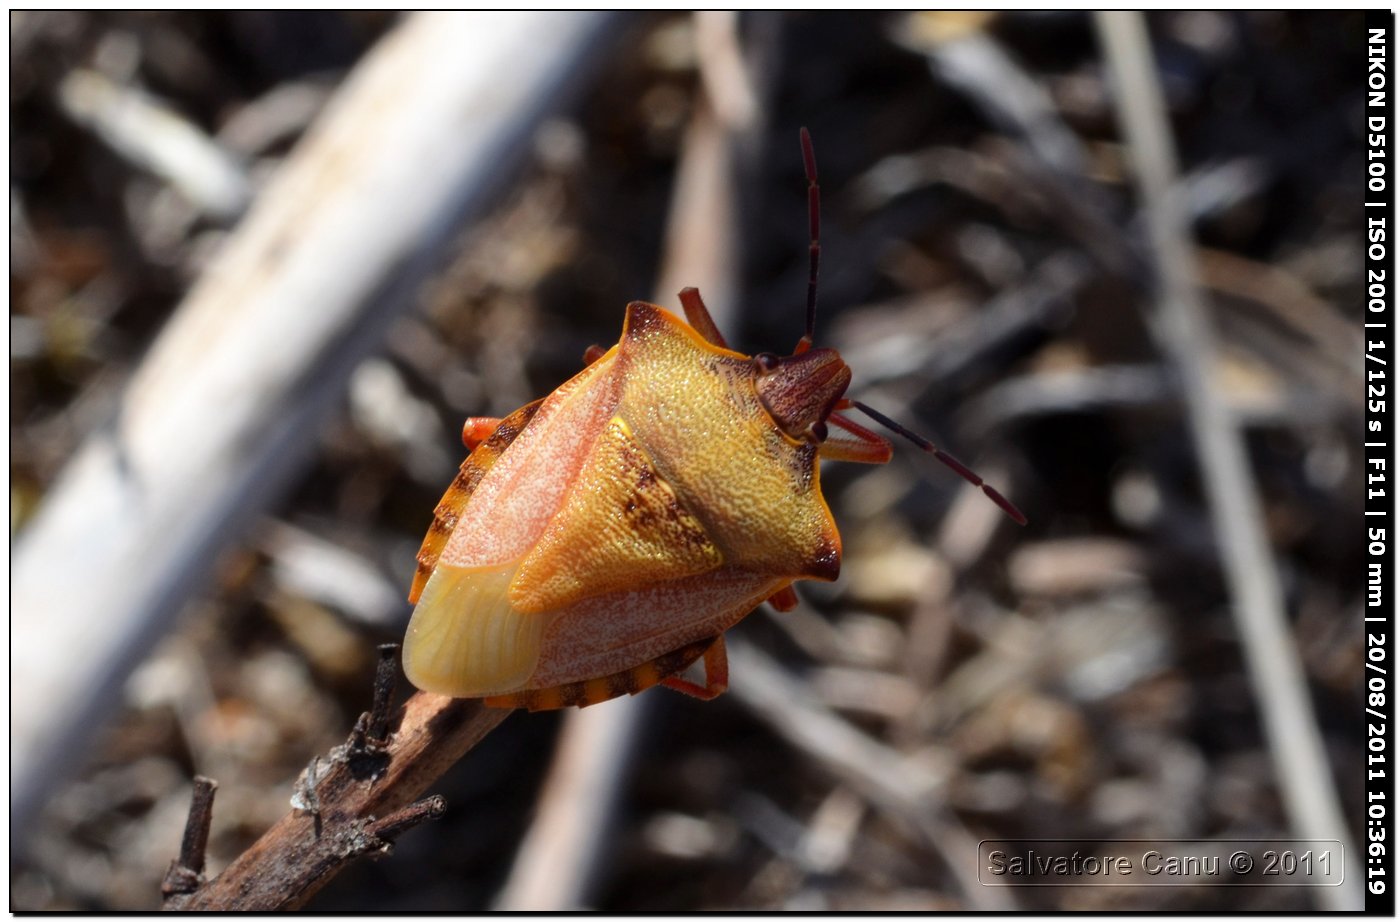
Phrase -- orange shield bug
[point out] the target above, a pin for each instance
(600, 540)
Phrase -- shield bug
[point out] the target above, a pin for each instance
(600, 540)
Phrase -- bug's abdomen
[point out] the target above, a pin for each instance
(602, 635)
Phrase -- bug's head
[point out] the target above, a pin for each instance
(801, 391)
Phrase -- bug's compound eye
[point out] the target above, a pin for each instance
(766, 361)
(819, 431)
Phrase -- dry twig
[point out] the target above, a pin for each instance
(1181, 327)
(186, 872)
(905, 790)
(354, 802)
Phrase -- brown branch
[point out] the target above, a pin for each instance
(359, 798)
(186, 873)
(370, 735)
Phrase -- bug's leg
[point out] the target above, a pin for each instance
(850, 442)
(478, 429)
(593, 353)
(785, 599)
(582, 694)
(699, 316)
(716, 675)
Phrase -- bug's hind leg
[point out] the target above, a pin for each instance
(627, 682)
(716, 675)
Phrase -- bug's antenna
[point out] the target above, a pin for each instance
(814, 248)
(962, 470)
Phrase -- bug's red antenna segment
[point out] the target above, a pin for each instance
(814, 248)
(962, 470)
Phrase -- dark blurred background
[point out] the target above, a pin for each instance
(1078, 678)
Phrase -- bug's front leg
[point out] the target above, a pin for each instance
(478, 429)
(850, 442)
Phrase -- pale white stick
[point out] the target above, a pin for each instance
(155, 137)
(224, 409)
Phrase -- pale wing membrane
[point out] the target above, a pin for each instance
(465, 640)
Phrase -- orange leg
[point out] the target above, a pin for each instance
(716, 675)
(593, 353)
(849, 442)
(699, 316)
(478, 429)
(603, 688)
(785, 599)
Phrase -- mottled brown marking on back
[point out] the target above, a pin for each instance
(593, 691)
(449, 509)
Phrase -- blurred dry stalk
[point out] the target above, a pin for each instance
(1180, 322)
(159, 140)
(909, 792)
(559, 860)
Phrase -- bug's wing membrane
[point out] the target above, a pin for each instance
(477, 631)
(465, 639)
(624, 528)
